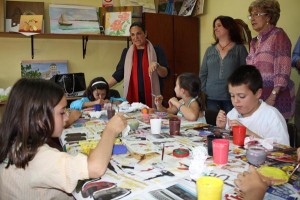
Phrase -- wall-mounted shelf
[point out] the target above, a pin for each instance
(83, 37)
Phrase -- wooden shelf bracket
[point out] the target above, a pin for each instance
(85, 40)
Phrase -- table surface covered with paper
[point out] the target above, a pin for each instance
(158, 166)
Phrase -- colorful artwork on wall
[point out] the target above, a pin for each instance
(14, 10)
(31, 23)
(43, 68)
(136, 12)
(73, 19)
(117, 23)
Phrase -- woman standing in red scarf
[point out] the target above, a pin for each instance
(142, 66)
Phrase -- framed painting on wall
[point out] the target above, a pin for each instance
(117, 23)
(31, 23)
(73, 19)
(14, 10)
(136, 12)
(43, 68)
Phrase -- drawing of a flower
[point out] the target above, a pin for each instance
(119, 23)
(124, 16)
(116, 25)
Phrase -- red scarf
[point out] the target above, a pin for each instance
(133, 94)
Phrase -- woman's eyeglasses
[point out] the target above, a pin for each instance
(253, 15)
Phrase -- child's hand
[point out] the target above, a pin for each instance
(221, 119)
(252, 184)
(116, 124)
(173, 102)
(158, 100)
(99, 101)
(234, 122)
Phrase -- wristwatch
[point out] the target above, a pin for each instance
(274, 92)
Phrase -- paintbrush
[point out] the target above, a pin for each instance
(295, 169)
(162, 152)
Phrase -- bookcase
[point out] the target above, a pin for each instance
(179, 38)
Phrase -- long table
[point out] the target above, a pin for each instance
(144, 173)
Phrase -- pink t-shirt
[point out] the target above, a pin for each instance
(47, 176)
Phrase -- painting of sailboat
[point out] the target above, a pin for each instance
(73, 19)
(63, 21)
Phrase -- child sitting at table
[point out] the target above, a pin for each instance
(29, 168)
(260, 119)
(191, 105)
(96, 93)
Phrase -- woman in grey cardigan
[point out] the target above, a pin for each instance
(225, 55)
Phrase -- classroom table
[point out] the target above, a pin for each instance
(149, 170)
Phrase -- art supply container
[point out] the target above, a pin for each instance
(239, 134)
(97, 107)
(209, 188)
(155, 125)
(210, 138)
(220, 151)
(174, 125)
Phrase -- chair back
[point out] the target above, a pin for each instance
(292, 129)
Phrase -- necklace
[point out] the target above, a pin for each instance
(224, 46)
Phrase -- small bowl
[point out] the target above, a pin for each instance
(133, 124)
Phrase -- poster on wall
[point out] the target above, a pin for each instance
(14, 10)
(73, 19)
(43, 68)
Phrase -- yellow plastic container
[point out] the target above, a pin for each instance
(209, 188)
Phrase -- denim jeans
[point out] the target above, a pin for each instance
(216, 105)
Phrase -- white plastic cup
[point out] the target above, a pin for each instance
(155, 125)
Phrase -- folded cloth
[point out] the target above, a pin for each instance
(126, 107)
(97, 114)
(197, 167)
(267, 143)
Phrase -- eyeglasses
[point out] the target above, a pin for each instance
(253, 15)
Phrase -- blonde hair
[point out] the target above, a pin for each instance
(271, 7)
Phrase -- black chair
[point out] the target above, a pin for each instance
(211, 116)
(292, 130)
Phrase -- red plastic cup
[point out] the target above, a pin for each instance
(239, 134)
(220, 151)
